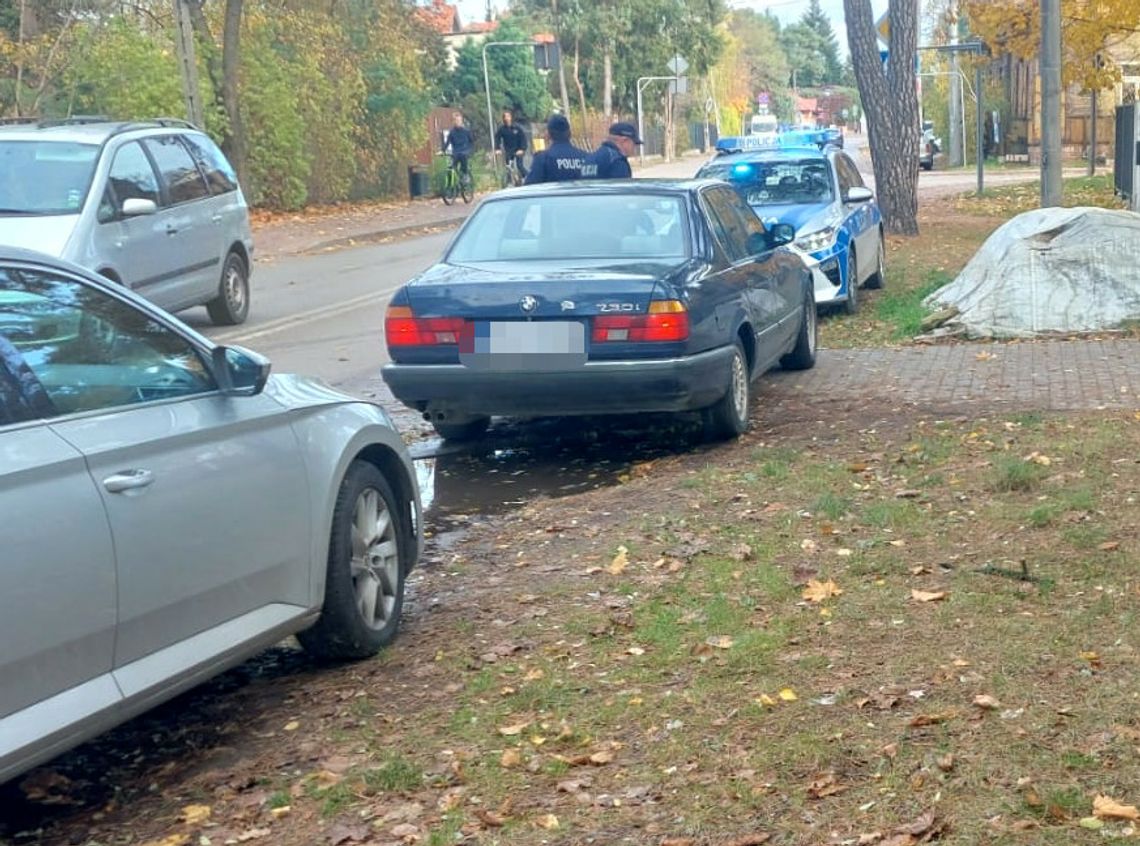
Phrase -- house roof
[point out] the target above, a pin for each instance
(440, 16)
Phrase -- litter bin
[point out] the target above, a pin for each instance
(419, 181)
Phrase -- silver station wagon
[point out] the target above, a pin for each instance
(169, 509)
(152, 205)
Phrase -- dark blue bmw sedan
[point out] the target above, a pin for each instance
(601, 297)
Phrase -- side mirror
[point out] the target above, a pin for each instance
(240, 372)
(781, 233)
(136, 207)
(859, 194)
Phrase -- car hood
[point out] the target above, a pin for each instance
(294, 391)
(804, 218)
(36, 232)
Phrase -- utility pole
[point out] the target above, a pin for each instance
(187, 66)
(957, 132)
(1098, 63)
(980, 137)
(1050, 68)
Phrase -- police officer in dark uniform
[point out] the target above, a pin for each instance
(612, 158)
(561, 161)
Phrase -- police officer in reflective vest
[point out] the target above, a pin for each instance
(612, 158)
(560, 161)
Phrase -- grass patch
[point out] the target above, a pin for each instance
(1011, 474)
(903, 311)
(831, 506)
(395, 774)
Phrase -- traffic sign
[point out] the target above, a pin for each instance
(678, 65)
(883, 27)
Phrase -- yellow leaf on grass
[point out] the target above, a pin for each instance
(603, 757)
(292, 725)
(817, 591)
(788, 695)
(510, 759)
(765, 700)
(547, 821)
(928, 595)
(1105, 808)
(513, 729)
(986, 702)
(620, 562)
(195, 814)
(721, 642)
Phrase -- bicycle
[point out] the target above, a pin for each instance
(457, 184)
(513, 177)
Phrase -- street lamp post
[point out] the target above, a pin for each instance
(643, 81)
(487, 87)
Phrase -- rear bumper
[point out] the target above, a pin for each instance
(598, 387)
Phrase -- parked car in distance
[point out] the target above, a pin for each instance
(151, 205)
(822, 195)
(601, 297)
(170, 509)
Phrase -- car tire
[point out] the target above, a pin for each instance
(231, 306)
(876, 280)
(728, 416)
(851, 304)
(802, 356)
(364, 583)
(469, 431)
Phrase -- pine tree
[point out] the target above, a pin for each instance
(827, 44)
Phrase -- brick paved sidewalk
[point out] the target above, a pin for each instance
(1044, 375)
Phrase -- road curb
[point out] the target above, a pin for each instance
(376, 235)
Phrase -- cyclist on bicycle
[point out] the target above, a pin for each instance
(511, 139)
(461, 144)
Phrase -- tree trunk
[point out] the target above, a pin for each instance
(890, 103)
(608, 82)
(20, 63)
(231, 66)
(586, 140)
(562, 89)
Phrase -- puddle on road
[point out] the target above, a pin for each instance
(519, 462)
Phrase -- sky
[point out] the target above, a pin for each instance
(788, 11)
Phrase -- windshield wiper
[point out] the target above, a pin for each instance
(18, 211)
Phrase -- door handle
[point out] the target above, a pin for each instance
(128, 480)
(171, 230)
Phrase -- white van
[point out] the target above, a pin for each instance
(766, 127)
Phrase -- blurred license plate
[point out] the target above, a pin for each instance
(524, 345)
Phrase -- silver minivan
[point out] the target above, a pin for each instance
(151, 205)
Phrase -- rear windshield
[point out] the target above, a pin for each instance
(45, 177)
(775, 183)
(579, 226)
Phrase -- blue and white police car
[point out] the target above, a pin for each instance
(821, 193)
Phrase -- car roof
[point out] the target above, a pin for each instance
(633, 187)
(85, 130)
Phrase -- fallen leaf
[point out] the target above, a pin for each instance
(195, 814)
(788, 695)
(1105, 808)
(766, 700)
(407, 832)
(281, 811)
(603, 757)
(534, 674)
(620, 562)
(635, 650)
(490, 818)
(817, 591)
(513, 729)
(510, 759)
(749, 840)
(824, 785)
(1091, 823)
(1109, 546)
(720, 642)
(808, 545)
(347, 833)
(678, 841)
(928, 595)
(929, 720)
(292, 725)
(252, 834)
(547, 821)
(986, 702)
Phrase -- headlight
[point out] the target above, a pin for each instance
(821, 239)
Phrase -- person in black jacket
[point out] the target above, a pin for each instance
(511, 139)
(561, 161)
(461, 143)
(612, 158)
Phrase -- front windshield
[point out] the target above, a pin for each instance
(45, 177)
(574, 226)
(775, 183)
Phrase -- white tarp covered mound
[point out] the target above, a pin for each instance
(1050, 270)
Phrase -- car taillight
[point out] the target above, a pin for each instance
(404, 329)
(667, 320)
